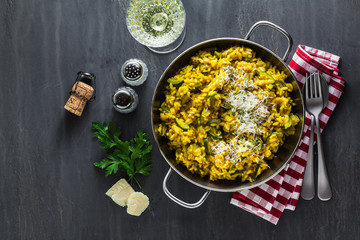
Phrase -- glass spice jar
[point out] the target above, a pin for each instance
(125, 100)
(134, 72)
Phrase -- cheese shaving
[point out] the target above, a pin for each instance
(251, 108)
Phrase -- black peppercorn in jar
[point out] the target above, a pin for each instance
(134, 72)
(125, 100)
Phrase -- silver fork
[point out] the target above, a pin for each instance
(314, 102)
(308, 187)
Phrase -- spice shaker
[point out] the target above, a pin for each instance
(134, 72)
(82, 91)
(125, 99)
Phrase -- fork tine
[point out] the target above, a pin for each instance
(316, 89)
(307, 83)
(316, 85)
(319, 85)
(311, 85)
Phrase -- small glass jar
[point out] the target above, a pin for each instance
(134, 72)
(125, 100)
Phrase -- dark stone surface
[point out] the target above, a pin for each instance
(49, 188)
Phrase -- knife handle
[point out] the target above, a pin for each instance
(308, 187)
(324, 189)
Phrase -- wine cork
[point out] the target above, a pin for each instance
(80, 94)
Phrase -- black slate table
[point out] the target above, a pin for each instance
(49, 188)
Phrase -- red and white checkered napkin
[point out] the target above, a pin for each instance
(282, 192)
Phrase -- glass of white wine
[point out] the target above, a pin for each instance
(159, 25)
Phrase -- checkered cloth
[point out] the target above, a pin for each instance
(270, 199)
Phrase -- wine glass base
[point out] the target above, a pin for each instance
(171, 47)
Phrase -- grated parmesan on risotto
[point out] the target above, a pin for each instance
(227, 113)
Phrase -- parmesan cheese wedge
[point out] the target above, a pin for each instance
(120, 192)
(137, 203)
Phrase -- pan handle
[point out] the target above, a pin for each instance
(275, 27)
(178, 201)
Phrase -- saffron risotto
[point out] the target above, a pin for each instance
(227, 113)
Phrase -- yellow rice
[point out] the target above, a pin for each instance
(227, 113)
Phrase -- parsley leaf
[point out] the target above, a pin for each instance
(132, 157)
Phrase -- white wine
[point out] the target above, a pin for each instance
(155, 23)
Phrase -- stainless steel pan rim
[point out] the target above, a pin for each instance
(174, 64)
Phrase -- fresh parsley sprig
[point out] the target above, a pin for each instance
(132, 157)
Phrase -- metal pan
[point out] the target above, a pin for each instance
(284, 153)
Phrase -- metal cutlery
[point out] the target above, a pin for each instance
(314, 104)
(308, 187)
